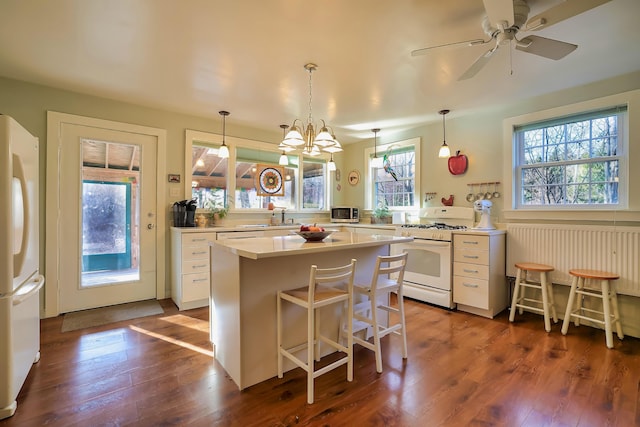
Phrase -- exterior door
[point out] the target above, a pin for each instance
(107, 217)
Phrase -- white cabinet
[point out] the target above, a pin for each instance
(479, 280)
(190, 267)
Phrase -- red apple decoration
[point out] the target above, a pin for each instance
(458, 164)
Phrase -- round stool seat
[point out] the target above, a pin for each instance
(593, 274)
(532, 266)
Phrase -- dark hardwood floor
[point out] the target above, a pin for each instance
(462, 370)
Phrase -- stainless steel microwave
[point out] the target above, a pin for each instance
(345, 214)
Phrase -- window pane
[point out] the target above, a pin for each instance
(313, 185)
(394, 183)
(570, 164)
(208, 175)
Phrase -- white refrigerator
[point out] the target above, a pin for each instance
(20, 281)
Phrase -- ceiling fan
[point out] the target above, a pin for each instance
(505, 18)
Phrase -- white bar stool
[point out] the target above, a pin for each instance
(545, 305)
(607, 294)
(387, 277)
(326, 287)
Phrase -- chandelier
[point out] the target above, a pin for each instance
(307, 139)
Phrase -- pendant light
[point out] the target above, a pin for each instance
(444, 149)
(376, 162)
(223, 151)
(284, 159)
(331, 165)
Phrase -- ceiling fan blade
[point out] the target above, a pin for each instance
(477, 66)
(425, 50)
(548, 48)
(499, 12)
(560, 12)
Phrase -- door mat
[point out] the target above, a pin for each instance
(105, 315)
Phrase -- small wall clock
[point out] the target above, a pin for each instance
(354, 177)
(270, 181)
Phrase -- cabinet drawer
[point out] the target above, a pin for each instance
(472, 292)
(477, 271)
(198, 238)
(474, 257)
(199, 265)
(463, 241)
(195, 286)
(195, 252)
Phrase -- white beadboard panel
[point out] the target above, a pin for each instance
(609, 248)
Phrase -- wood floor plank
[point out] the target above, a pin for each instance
(462, 370)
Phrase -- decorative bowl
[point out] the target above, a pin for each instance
(314, 236)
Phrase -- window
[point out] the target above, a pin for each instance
(232, 181)
(396, 183)
(570, 162)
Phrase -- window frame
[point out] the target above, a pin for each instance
(519, 157)
(589, 212)
(193, 137)
(368, 175)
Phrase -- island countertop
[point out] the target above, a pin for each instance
(266, 247)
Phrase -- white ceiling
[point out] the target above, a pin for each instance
(202, 56)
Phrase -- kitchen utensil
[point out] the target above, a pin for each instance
(480, 193)
(488, 195)
(496, 193)
(470, 195)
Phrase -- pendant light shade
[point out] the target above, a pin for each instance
(444, 148)
(284, 159)
(376, 162)
(223, 151)
(331, 165)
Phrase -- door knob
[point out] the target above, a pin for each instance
(150, 226)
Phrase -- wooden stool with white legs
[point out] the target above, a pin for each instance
(607, 293)
(388, 277)
(326, 287)
(545, 305)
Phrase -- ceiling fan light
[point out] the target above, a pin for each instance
(284, 160)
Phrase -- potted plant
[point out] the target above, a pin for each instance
(216, 209)
(381, 215)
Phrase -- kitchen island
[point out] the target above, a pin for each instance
(245, 277)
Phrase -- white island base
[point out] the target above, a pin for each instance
(245, 278)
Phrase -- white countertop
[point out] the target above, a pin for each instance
(266, 247)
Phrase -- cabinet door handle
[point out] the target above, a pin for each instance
(198, 253)
(200, 280)
(201, 239)
(470, 285)
(469, 242)
(471, 256)
(470, 271)
(200, 266)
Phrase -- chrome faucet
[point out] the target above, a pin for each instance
(283, 215)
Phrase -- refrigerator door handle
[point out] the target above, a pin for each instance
(18, 172)
(26, 290)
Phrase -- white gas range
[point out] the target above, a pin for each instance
(428, 274)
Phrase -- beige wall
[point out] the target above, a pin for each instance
(479, 136)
